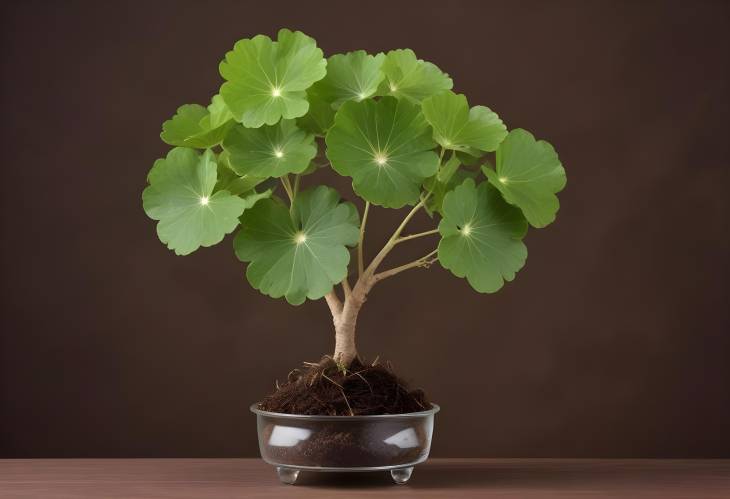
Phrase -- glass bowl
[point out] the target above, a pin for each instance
(387, 442)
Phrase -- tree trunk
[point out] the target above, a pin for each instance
(345, 322)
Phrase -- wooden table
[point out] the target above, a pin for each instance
(443, 478)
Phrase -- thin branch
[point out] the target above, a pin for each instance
(392, 241)
(414, 236)
(360, 264)
(424, 261)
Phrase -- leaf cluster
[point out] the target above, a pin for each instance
(390, 122)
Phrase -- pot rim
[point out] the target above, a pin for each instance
(316, 417)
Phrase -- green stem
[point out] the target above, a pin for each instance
(287, 187)
(415, 236)
(297, 178)
(424, 261)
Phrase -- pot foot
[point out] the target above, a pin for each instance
(287, 475)
(401, 475)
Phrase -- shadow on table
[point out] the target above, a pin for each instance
(502, 476)
(429, 477)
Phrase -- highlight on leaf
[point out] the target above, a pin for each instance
(529, 174)
(386, 147)
(481, 236)
(267, 80)
(457, 127)
(408, 77)
(299, 253)
(181, 198)
(352, 76)
(269, 151)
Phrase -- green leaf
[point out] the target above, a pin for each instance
(181, 197)
(481, 236)
(352, 76)
(386, 147)
(269, 151)
(320, 117)
(192, 127)
(528, 174)
(457, 127)
(230, 181)
(267, 80)
(219, 114)
(412, 78)
(301, 255)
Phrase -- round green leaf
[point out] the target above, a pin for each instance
(266, 80)
(412, 78)
(481, 236)
(528, 174)
(386, 147)
(457, 127)
(301, 255)
(352, 76)
(269, 151)
(192, 127)
(181, 197)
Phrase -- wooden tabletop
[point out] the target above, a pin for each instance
(443, 478)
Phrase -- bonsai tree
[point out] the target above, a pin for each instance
(393, 125)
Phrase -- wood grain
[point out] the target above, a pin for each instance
(462, 478)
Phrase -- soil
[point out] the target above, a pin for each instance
(326, 388)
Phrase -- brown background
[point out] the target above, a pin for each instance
(613, 341)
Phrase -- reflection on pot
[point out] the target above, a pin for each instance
(405, 439)
(288, 436)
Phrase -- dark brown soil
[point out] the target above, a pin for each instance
(326, 388)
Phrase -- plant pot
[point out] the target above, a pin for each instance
(388, 442)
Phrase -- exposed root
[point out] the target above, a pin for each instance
(326, 388)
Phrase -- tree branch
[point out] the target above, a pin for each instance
(346, 288)
(424, 261)
(414, 236)
(334, 304)
(360, 264)
(393, 239)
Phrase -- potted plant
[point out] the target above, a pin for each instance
(393, 125)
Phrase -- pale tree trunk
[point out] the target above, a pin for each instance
(344, 315)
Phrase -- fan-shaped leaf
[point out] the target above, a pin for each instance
(528, 174)
(267, 80)
(412, 78)
(302, 255)
(192, 127)
(352, 76)
(269, 151)
(455, 126)
(386, 147)
(181, 197)
(481, 236)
